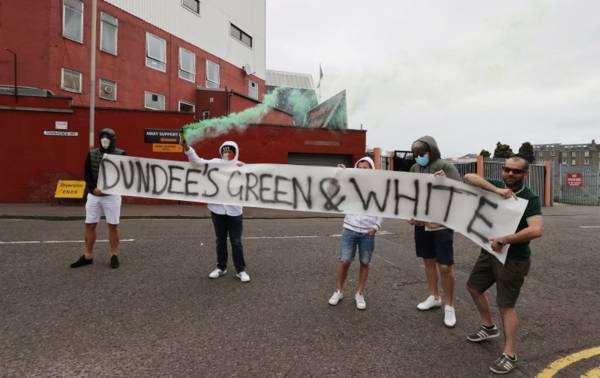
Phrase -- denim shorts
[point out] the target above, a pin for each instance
(351, 240)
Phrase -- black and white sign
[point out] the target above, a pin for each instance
(477, 214)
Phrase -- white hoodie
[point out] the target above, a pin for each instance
(231, 210)
(363, 223)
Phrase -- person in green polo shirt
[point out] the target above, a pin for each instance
(508, 277)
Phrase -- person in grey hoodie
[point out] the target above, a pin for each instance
(358, 232)
(433, 242)
(227, 219)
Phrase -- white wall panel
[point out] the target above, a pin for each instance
(210, 30)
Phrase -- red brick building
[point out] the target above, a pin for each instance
(138, 55)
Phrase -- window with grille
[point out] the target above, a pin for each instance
(154, 101)
(108, 89)
(241, 35)
(191, 5)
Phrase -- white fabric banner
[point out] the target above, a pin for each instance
(477, 214)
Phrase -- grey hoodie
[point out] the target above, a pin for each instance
(435, 161)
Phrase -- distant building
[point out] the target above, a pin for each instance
(582, 154)
(296, 92)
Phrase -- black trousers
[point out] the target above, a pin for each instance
(232, 226)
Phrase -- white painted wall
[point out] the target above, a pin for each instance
(210, 31)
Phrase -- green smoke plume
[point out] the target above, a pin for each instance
(212, 127)
(292, 100)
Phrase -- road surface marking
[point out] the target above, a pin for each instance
(562, 363)
(281, 237)
(594, 373)
(58, 241)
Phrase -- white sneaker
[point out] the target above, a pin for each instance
(336, 298)
(360, 301)
(243, 276)
(449, 316)
(217, 273)
(429, 303)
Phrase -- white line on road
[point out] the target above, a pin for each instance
(281, 237)
(383, 232)
(58, 241)
(589, 226)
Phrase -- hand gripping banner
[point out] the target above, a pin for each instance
(477, 214)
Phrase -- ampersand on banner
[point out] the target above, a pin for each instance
(330, 188)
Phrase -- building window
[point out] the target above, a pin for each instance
(573, 154)
(212, 75)
(564, 161)
(573, 162)
(71, 80)
(241, 36)
(586, 162)
(154, 101)
(187, 65)
(109, 30)
(206, 114)
(252, 89)
(156, 52)
(186, 107)
(191, 5)
(586, 153)
(108, 90)
(73, 20)
(552, 153)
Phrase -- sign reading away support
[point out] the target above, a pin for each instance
(163, 136)
(477, 214)
(575, 179)
(70, 189)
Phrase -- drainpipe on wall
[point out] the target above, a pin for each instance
(228, 100)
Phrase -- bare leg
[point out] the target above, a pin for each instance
(511, 325)
(431, 274)
(363, 273)
(343, 267)
(483, 306)
(113, 236)
(90, 239)
(447, 278)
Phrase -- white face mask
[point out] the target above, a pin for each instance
(105, 143)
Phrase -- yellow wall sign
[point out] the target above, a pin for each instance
(163, 147)
(70, 189)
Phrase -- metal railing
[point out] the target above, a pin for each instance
(578, 185)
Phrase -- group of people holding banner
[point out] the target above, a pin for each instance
(433, 242)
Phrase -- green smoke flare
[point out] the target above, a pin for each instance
(212, 127)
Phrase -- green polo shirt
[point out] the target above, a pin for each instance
(521, 251)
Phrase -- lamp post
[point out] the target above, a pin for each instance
(93, 72)
(15, 71)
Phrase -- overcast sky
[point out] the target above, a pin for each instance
(468, 72)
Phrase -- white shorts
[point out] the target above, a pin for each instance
(95, 206)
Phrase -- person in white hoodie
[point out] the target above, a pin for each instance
(358, 233)
(227, 219)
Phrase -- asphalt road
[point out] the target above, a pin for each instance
(160, 315)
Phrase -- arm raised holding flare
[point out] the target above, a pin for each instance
(227, 219)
